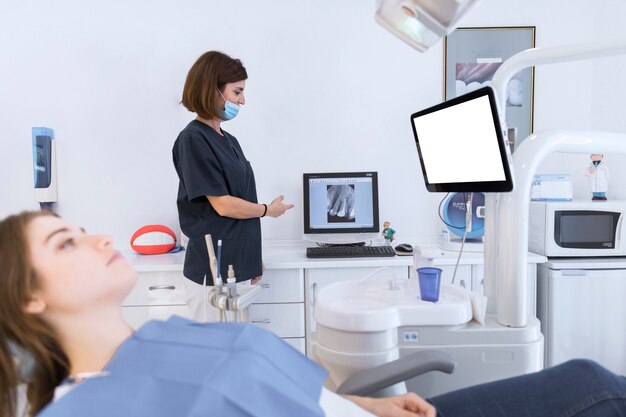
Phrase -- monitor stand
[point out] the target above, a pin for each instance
(341, 244)
(342, 239)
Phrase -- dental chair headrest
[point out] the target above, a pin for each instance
(24, 361)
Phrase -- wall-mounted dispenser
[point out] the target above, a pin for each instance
(44, 167)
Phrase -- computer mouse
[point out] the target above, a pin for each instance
(404, 247)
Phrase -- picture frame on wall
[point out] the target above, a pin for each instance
(471, 57)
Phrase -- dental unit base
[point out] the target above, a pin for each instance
(376, 325)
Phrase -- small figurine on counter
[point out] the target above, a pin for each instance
(598, 174)
(388, 233)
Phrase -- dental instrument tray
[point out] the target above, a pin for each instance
(350, 251)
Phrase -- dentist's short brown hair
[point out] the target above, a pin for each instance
(206, 80)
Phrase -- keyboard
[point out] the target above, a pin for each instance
(349, 251)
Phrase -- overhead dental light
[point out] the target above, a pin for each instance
(421, 23)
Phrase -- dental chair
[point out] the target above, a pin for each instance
(371, 382)
(374, 382)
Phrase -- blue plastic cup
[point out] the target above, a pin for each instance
(430, 280)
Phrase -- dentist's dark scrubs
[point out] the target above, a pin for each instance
(209, 164)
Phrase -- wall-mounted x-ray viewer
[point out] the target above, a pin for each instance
(461, 147)
(44, 165)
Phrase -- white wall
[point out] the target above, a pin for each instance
(329, 90)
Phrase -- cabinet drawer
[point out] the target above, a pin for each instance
(297, 342)
(157, 288)
(285, 320)
(136, 316)
(282, 286)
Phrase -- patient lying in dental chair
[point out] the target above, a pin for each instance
(60, 304)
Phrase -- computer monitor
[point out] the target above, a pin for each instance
(341, 207)
(461, 147)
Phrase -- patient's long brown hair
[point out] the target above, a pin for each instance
(24, 331)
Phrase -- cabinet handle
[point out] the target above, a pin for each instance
(313, 291)
(161, 287)
(463, 283)
(266, 285)
(573, 273)
(265, 321)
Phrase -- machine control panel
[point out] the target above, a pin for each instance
(410, 336)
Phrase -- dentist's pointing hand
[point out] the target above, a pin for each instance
(277, 207)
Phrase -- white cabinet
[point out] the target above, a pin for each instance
(298, 343)
(285, 305)
(281, 286)
(157, 295)
(286, 320)
(280, 307)
(290, 283)
(582, 310)
(135, 316)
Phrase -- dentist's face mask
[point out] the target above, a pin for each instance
(230, 109)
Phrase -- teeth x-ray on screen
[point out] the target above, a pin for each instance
(340, 202)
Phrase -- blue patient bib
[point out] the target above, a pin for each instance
(180, 368)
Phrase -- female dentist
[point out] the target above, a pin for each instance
(217, 190)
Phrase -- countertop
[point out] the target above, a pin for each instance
(293, 256)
